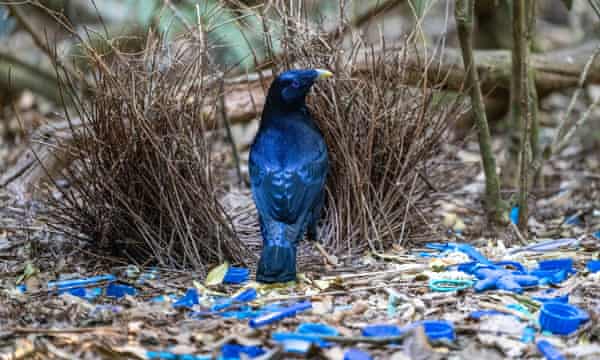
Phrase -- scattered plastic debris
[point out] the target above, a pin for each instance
(235, 351)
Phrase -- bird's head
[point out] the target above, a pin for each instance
(289, 89)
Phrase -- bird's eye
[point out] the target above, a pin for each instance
(295, 83)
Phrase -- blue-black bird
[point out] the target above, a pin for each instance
(288, 167)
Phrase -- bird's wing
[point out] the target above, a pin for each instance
(288, 193)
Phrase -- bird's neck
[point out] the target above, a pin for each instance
(280, 112)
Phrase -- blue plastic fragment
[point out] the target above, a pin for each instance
(560, 318)
(557, 264)
(283, 337)
(464, 248)
(478, 314)
(272, 317)
(549, 295)
(236, 275)
(593, 266)
(356, 354)
(448, 285)
(514, 215)
(437, 329)
(573, 220)
(245, 296)
(383, 330)
(235, 351)
(189, 299)
(21, 288)
(317, 329)
(152, 274)
(120, 290)
(528, 335)
(81, 282)
(549, 351)
(165, 355)
(597, 234)
(84, 293)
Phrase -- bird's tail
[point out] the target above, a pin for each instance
(278, 257)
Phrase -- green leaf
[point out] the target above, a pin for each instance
(29, 271)
(216, 275)
(568, 4)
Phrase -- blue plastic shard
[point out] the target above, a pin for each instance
(81, 282)
(478, 314)
(528, 335)
(383, 330)
(165, 355)
(275, 316)
(436, 329)
(190, 299)
(282, 337)
(549, 351)
(573, 220)
(514, 215)
(593, 266)
(84, 293)
(356, 354)
(597, 234)
(317, 329)
(245, 296)
(21, 288)
(119, 290)
(236, 275)
(235, 351)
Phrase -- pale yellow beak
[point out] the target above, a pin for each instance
(323, 74)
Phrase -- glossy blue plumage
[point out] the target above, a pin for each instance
(288, 167)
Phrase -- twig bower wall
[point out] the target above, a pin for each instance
(147, 172)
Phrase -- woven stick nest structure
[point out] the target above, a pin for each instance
(147, 179)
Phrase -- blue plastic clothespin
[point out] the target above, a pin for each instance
(267, 319)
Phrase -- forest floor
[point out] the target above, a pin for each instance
(160, 313)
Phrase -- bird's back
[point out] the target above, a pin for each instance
(288, 166)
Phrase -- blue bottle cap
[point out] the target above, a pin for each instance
(593, 266)
(438, 329)
(549, 351)
(381, 330)
(356, 354)
(316, 329)
(560, 318)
